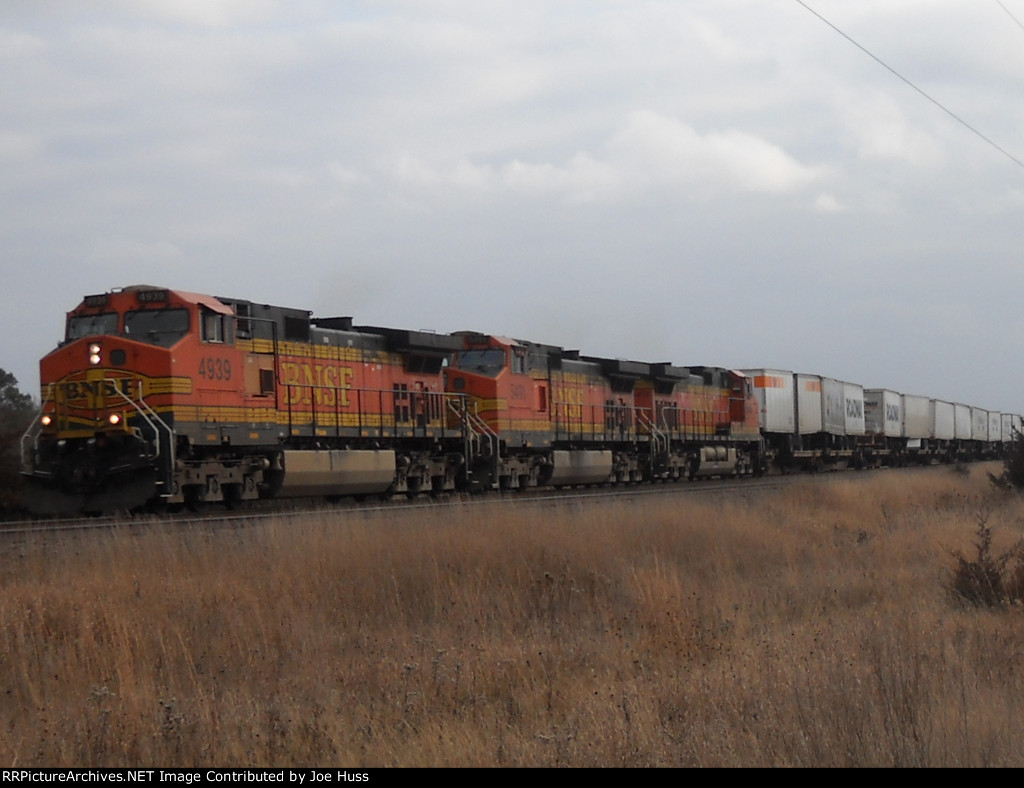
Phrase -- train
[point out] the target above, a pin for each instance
(158, 399)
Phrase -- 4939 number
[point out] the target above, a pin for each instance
(215, 369)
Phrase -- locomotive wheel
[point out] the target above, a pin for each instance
(195, 498)
(232, 495)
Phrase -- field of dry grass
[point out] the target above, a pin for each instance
(809, 627)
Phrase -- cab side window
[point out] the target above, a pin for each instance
(215, 327)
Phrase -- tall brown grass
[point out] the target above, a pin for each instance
(814, 626)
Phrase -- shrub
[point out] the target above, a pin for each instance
(1012, 477)
(989, 580)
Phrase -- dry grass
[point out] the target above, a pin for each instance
(812, 627)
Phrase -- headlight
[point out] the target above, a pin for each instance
(114, 418)
(46, 420)
(94, 354)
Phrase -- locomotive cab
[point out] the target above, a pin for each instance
(507, 383)
(106, 438)
(507, 390)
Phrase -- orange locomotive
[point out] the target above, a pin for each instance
(559, 418)
(158, 398)
(164, 397)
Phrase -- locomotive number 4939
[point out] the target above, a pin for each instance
(215, 368)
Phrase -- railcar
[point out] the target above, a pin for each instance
(883, 427)
(559, 418)
(162, 398)
(811, 421)
(814, 422)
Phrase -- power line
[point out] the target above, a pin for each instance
(1007, 10)
(899, 76)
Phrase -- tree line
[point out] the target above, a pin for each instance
(16, 412)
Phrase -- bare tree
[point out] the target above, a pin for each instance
(16, 410)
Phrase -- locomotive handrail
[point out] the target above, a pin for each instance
(152, 418)
(31, 435)
(434, 415)
(700, 425)
(660, 441)
(476, 429)
(607, 422)
(604, 422)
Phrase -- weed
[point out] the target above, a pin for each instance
(1012, 477)
(987, 580)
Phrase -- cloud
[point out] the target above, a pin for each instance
(882, 132)
(828, 203)
(657, 148)
(130, 252)
(649, 153)
(634, 158)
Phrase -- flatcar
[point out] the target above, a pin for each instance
(159, 398)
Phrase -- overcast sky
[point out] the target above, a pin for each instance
(728, 182)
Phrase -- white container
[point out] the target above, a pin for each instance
(833, 400)
(962, 421)
(820, 405)
(979, 424)
(917, 417)
(773, 389)
(995, 426)
(809, 407)
(943, 426)
(883, 413)
(1010, 427)
(853, 406)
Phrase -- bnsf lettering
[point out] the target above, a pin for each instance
(95, 389)
(327, 384)
(571, 401)
(708, 403)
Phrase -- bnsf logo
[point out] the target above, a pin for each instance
(86, 390)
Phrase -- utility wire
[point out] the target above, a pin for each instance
(1007, 10)
(899, 76)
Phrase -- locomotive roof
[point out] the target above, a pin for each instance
(207, 301)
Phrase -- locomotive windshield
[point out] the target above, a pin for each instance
(485, 362)
(162, 327)
(92, 325)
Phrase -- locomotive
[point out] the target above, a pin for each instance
(160, 398)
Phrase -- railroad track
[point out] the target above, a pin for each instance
(276, 510)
